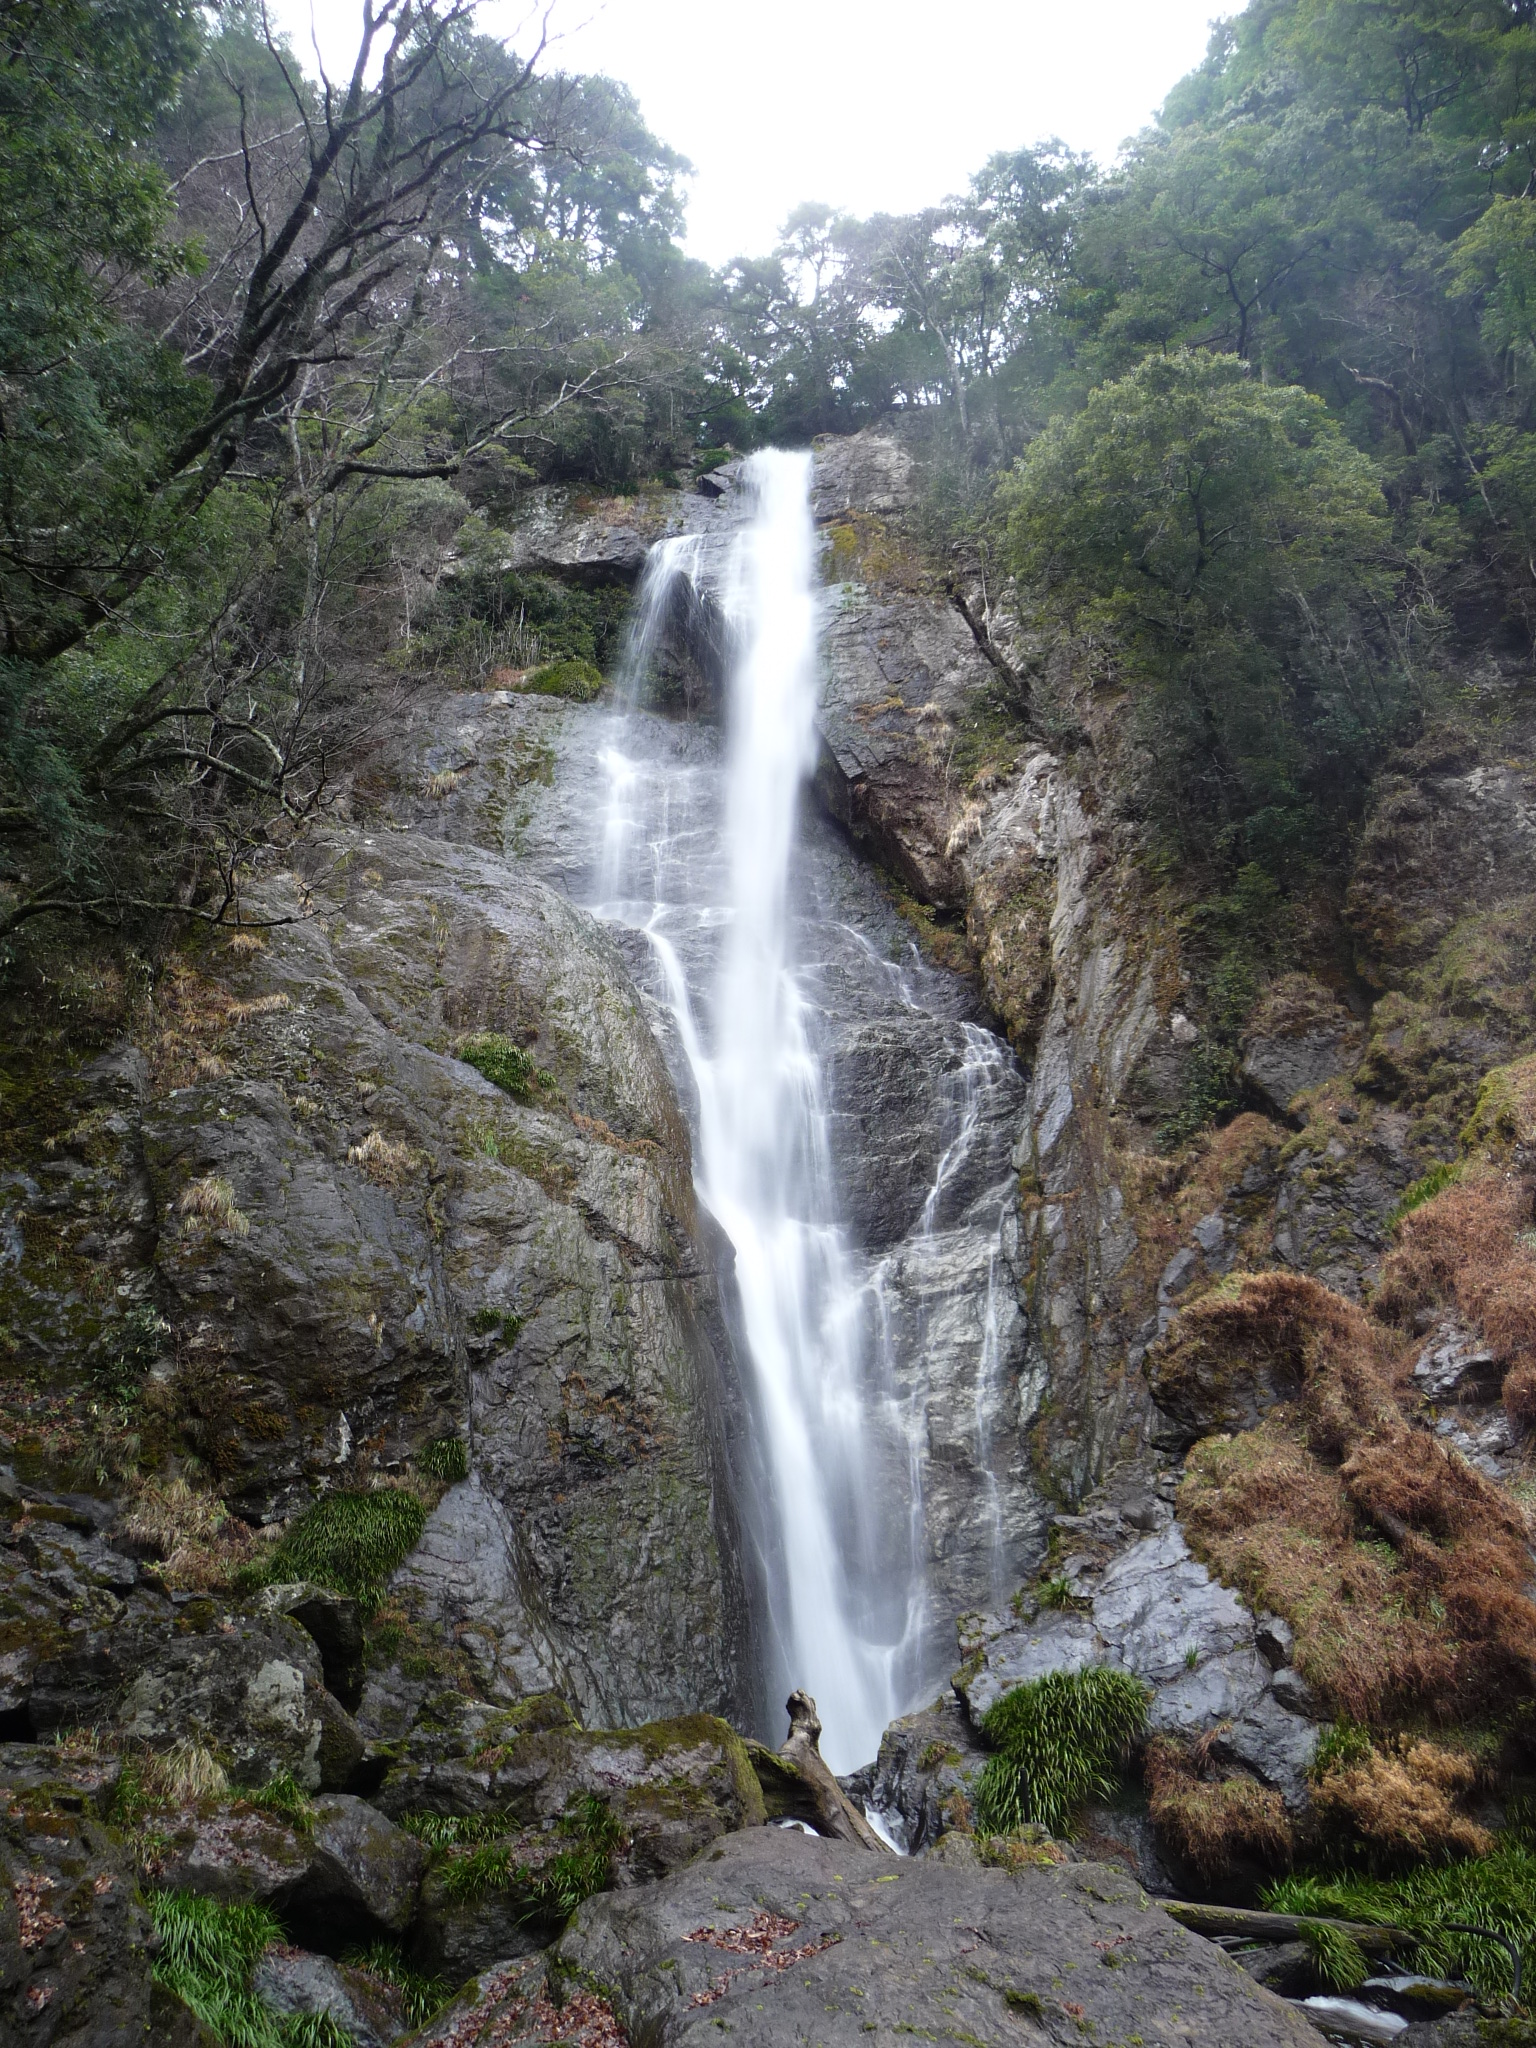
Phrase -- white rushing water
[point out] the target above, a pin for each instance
(703, 859)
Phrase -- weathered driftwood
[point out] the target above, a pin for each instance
(835, 1812)
(1277, 1926)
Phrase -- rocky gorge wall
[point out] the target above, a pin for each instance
(264, 1227)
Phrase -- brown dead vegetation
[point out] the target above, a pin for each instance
(387, 1163)
(1295, 1005)
(1470, 1250)
(201, 1544)
(1400, 1568)
(1169, 1194)
(1217, 1825)
(1398, 1805)
(194, 1024)
(1262, 1338)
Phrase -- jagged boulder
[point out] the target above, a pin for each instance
(545, 1797)
(294, 1982)
(921, 1784)
(340, 1873)
(1299, 1037)
(87, 1638)
(74, 1935)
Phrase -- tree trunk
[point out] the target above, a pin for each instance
(836, 1814)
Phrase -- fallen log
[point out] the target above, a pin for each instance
(1257, 1926)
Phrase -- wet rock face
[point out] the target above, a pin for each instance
(923, 1108)
(899, 671)
(921, 1784)
(355, 1244)
(1152, 1609)
(583, 538)
(777, 1936)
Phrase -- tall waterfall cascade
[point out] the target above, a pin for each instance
(875, 1308)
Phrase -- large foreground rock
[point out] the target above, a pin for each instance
(775, 1936)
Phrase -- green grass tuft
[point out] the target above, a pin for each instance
(504, 1063)
(455, 1830)
(1058, 1594)
(350, 1542)
(423, 1996)
(1345, 1743)
(284, 1795)
(1497, 1891)
(206, 1955)
(445, 1458)
(1423, 1190)
(1061, 1740)
(1337, 1957)
(550, 1891)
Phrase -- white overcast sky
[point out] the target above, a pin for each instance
(864, 105)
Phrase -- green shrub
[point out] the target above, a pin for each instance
(1345, 1743)
(706, 459)
(489, 1321)
(1497, 1891)
(350, 1542)
(445, 1458)
(1061, 1740)
(206, 1954)
(126, 1352)
(571, 677)
(1425, 1189)
(502, 1063)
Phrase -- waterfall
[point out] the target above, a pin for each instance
(705, 860)
(764, 1156)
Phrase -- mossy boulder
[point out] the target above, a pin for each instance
(672, 1786)
(74, 1935)
(1502, 1127)
(338, 1872)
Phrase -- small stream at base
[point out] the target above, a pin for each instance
(852, 1125)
